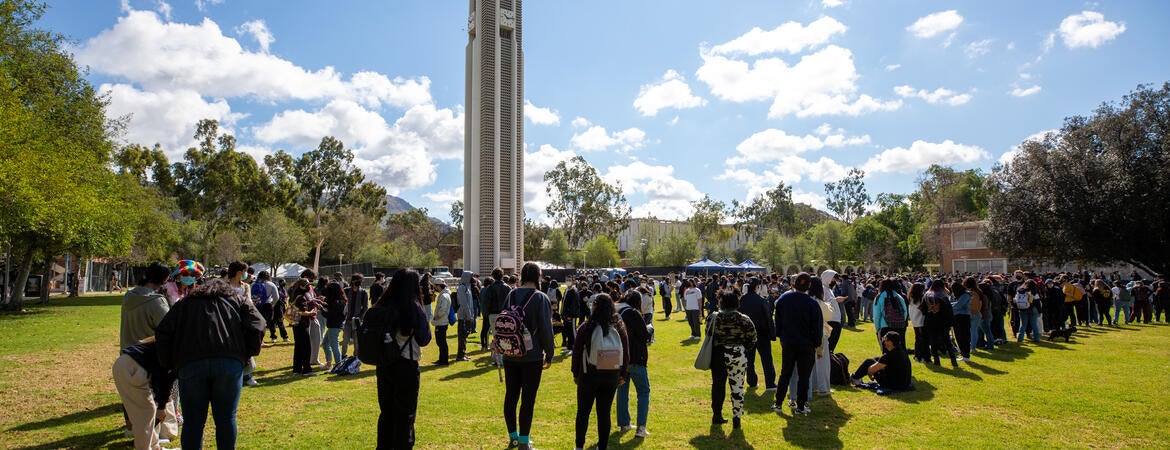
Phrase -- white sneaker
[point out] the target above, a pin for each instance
(802, 411)
(251, 382)
(641, 432)
(625, 428)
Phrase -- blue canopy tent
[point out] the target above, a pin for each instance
(749, 266)
(704, 265)
(728, 266)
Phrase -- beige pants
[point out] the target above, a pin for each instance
(133, 385)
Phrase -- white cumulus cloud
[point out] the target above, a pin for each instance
(832, 3)
(940, 95)
(775, 145)
(668, 197)
(259, 31)
(789, 37)
(540, 116)
(921, 155)
(935, 24)
(536, 164)
(1010, 155)
(671, 92)
(978, 48)
(1088, 29)
(821, 83)
(1018, 91)
(166, 117)
(596, 138)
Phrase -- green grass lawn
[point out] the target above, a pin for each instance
(1104, 389)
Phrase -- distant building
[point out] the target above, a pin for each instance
(963, 251)
(630, 238)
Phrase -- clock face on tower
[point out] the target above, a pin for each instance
(507, 19)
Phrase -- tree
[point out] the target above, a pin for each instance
(400, 252)
(945, 195)
(1095, 191)
(283, 186)
(558, 248)
(601, 251)
(829, 240)
(584, 205)
(772, 210)
(329, 181)
(225, 248)
(847, 197)
(350, 230)
(276, 239)
(707, 221)
(217, 185)
(674, 249)
(871, 241)
(897, 212)
(457, 215)
(535, 235)
(57, 192)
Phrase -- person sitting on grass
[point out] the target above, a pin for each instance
(891, 370)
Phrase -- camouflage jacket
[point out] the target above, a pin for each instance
(731, 328)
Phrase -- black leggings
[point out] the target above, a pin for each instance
(921, 343)
(597, 387)
(398, 385)
(834, 336)
(667, 306)
(1103, 306)
(301, 347)
(521, 381)
(962, 324)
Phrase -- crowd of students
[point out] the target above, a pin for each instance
(605, 324)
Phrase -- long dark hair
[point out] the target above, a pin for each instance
(603, 313)
(816, 289)
(402, 298)
(214, 288)
(917, 290)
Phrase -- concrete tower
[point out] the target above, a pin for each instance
(493, 163)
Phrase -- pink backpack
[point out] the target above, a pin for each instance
(512, 338)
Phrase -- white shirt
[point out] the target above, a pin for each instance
(647, 304)
(693, 297)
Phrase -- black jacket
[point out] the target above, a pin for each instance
(799, 320)
(209, 327)
(758, 309)
(494, 296)
(637, 334)
(571, 305)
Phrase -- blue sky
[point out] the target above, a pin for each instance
(672, 99)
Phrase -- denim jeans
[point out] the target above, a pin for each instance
(867, 308)
(331, 345)
(1120, 307)
(216, 382)
(641, 380)
(977, 327)
(1029, 318)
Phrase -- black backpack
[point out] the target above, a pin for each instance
(839, 369)
(376, 344)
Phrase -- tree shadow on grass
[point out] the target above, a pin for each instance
(72, 418)
(103, 300)
(718, 438)
(7, 316)
(99, 439)
(478, 370)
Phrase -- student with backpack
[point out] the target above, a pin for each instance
(664, 288)
(302, 311)
(601, 359)
(1027, 304)
(441, 321)
(335, 301)
(523, 336)
(936, 308)
(889, 312)
(638, 338)
(400, 319)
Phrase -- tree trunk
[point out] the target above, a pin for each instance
(17, 302)
(47, 280)
(320, 242)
